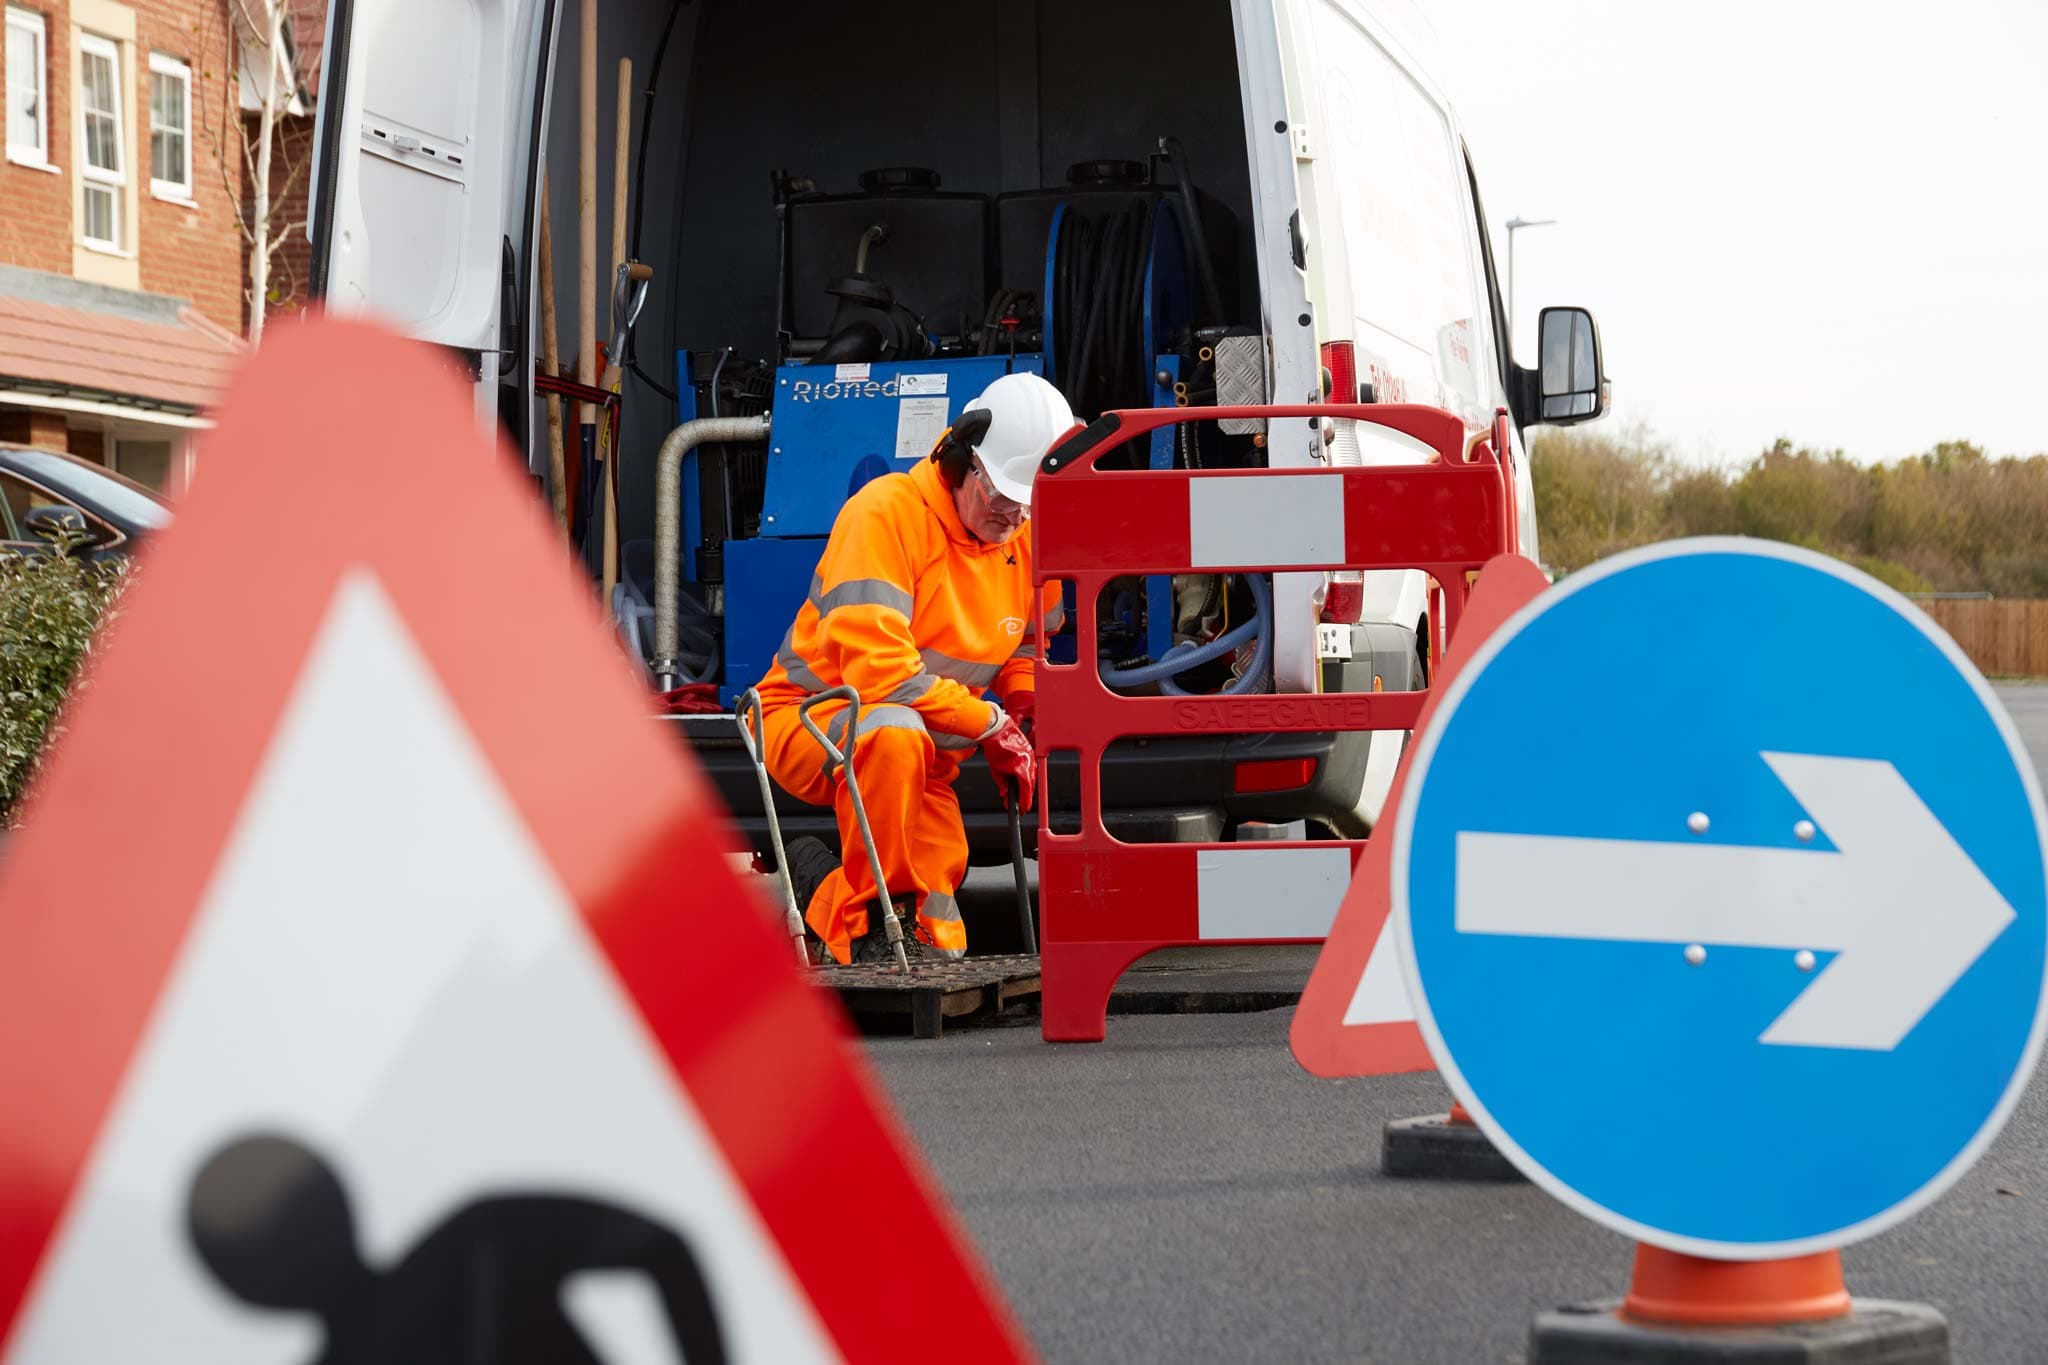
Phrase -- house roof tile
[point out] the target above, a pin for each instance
(183, 362)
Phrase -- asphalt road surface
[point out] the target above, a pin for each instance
(1183, 1191)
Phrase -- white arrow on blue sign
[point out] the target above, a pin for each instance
(1721, 885)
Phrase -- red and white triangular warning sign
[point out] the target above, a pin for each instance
(373, 978)
(1355, 1018)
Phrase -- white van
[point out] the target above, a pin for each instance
(837, 200)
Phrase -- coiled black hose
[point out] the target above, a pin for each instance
(1191, 222)
(1103, 358)
(1098, 309)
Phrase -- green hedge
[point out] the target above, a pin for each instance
(50, 607)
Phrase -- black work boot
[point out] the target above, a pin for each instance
(809, 864)
(873, 946)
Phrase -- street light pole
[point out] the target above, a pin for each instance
(1515, 225)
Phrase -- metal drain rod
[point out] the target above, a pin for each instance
(892, 928)
(756, 745)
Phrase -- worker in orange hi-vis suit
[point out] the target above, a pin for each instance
(923, 602)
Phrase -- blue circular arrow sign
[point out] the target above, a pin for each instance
(1719, 883)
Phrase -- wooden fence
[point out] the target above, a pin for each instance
(2005, 639)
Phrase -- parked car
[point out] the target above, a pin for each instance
(43, 489)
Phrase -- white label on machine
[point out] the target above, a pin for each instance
(919, 423)
(842, 373)
(1333, 642)
(920, 385)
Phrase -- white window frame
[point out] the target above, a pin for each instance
(31, 22)
(161, 65)
(94, 177)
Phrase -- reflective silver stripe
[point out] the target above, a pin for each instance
(881, 716)
(799, 672)
(959, 670)
(1027, 650)
(915, 688)
(861, 592)
(1056, 619)
(946, 741)
(940, 907)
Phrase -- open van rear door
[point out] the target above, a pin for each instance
(422, 196)
(1272, 122)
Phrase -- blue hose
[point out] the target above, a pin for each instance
(1183, 657)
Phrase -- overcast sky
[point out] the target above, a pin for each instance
(1821, 220)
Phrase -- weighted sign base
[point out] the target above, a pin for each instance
(1689, 1310)
(1443, 1147)
(1873, 1332)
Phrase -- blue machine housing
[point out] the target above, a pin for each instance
(766, 579)
(838, 426)
(835, 429)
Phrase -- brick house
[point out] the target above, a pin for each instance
(123, 270)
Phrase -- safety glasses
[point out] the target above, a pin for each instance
(997, 503)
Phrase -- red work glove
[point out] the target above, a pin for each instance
(1009, 759)
(1022, 705)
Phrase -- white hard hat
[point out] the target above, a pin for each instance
(1026, 415)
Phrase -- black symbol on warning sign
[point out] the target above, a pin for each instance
(272, 1222)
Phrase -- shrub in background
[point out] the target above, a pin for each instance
(1951, 519)
(50, 607)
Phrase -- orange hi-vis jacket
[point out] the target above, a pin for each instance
(911, 610)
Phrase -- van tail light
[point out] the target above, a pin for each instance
(1344, 598)
(1273, 775)
(1340, 358)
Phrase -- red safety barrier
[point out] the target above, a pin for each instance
(1106, 903)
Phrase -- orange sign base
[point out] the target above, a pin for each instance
(1672, 1287)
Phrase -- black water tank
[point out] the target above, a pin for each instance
(938, 256)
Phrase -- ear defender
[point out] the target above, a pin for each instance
(955, 446)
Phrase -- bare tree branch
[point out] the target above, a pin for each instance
(241, 35)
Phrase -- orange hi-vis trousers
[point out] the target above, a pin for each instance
(906, 783)
(919, 617)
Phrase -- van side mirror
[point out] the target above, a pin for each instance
(1569, 348)
(1569, 384)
